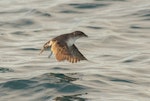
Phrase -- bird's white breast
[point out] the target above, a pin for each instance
(71, 41)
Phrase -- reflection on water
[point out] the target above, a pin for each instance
(49, 81)
(70, 98)
(117, 50)
(63, 78)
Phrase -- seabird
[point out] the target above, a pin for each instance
(63, 47)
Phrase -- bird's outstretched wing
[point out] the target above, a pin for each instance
(62, 52)
(76, 53)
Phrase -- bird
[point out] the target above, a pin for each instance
(63, 47)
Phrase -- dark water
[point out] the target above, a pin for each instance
(118, 49)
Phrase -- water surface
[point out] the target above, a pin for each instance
(118, 49)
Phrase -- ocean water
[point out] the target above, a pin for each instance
(118, 50)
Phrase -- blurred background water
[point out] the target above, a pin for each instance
(118, 49)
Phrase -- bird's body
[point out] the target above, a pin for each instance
(63, 47)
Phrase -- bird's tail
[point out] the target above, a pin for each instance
(41, 51)
(45, 46)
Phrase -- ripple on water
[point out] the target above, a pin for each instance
(94, 27)
(138, 58)
(19, 33)
(39, 13)
(146, 15)
(87, 5)
(142, 13)
(30, 49)
(4, 70)
(71, 88)
(59, 68)
(62, 83)
(69, 11)
(138, 27)
(114, 79)
(121, 80)
(18, 84)
(15, 11)
(111, 0)
(18, 23)
(23, 22)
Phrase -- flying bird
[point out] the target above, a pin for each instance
(63, 47)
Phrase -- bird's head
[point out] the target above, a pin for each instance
(79, 34)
